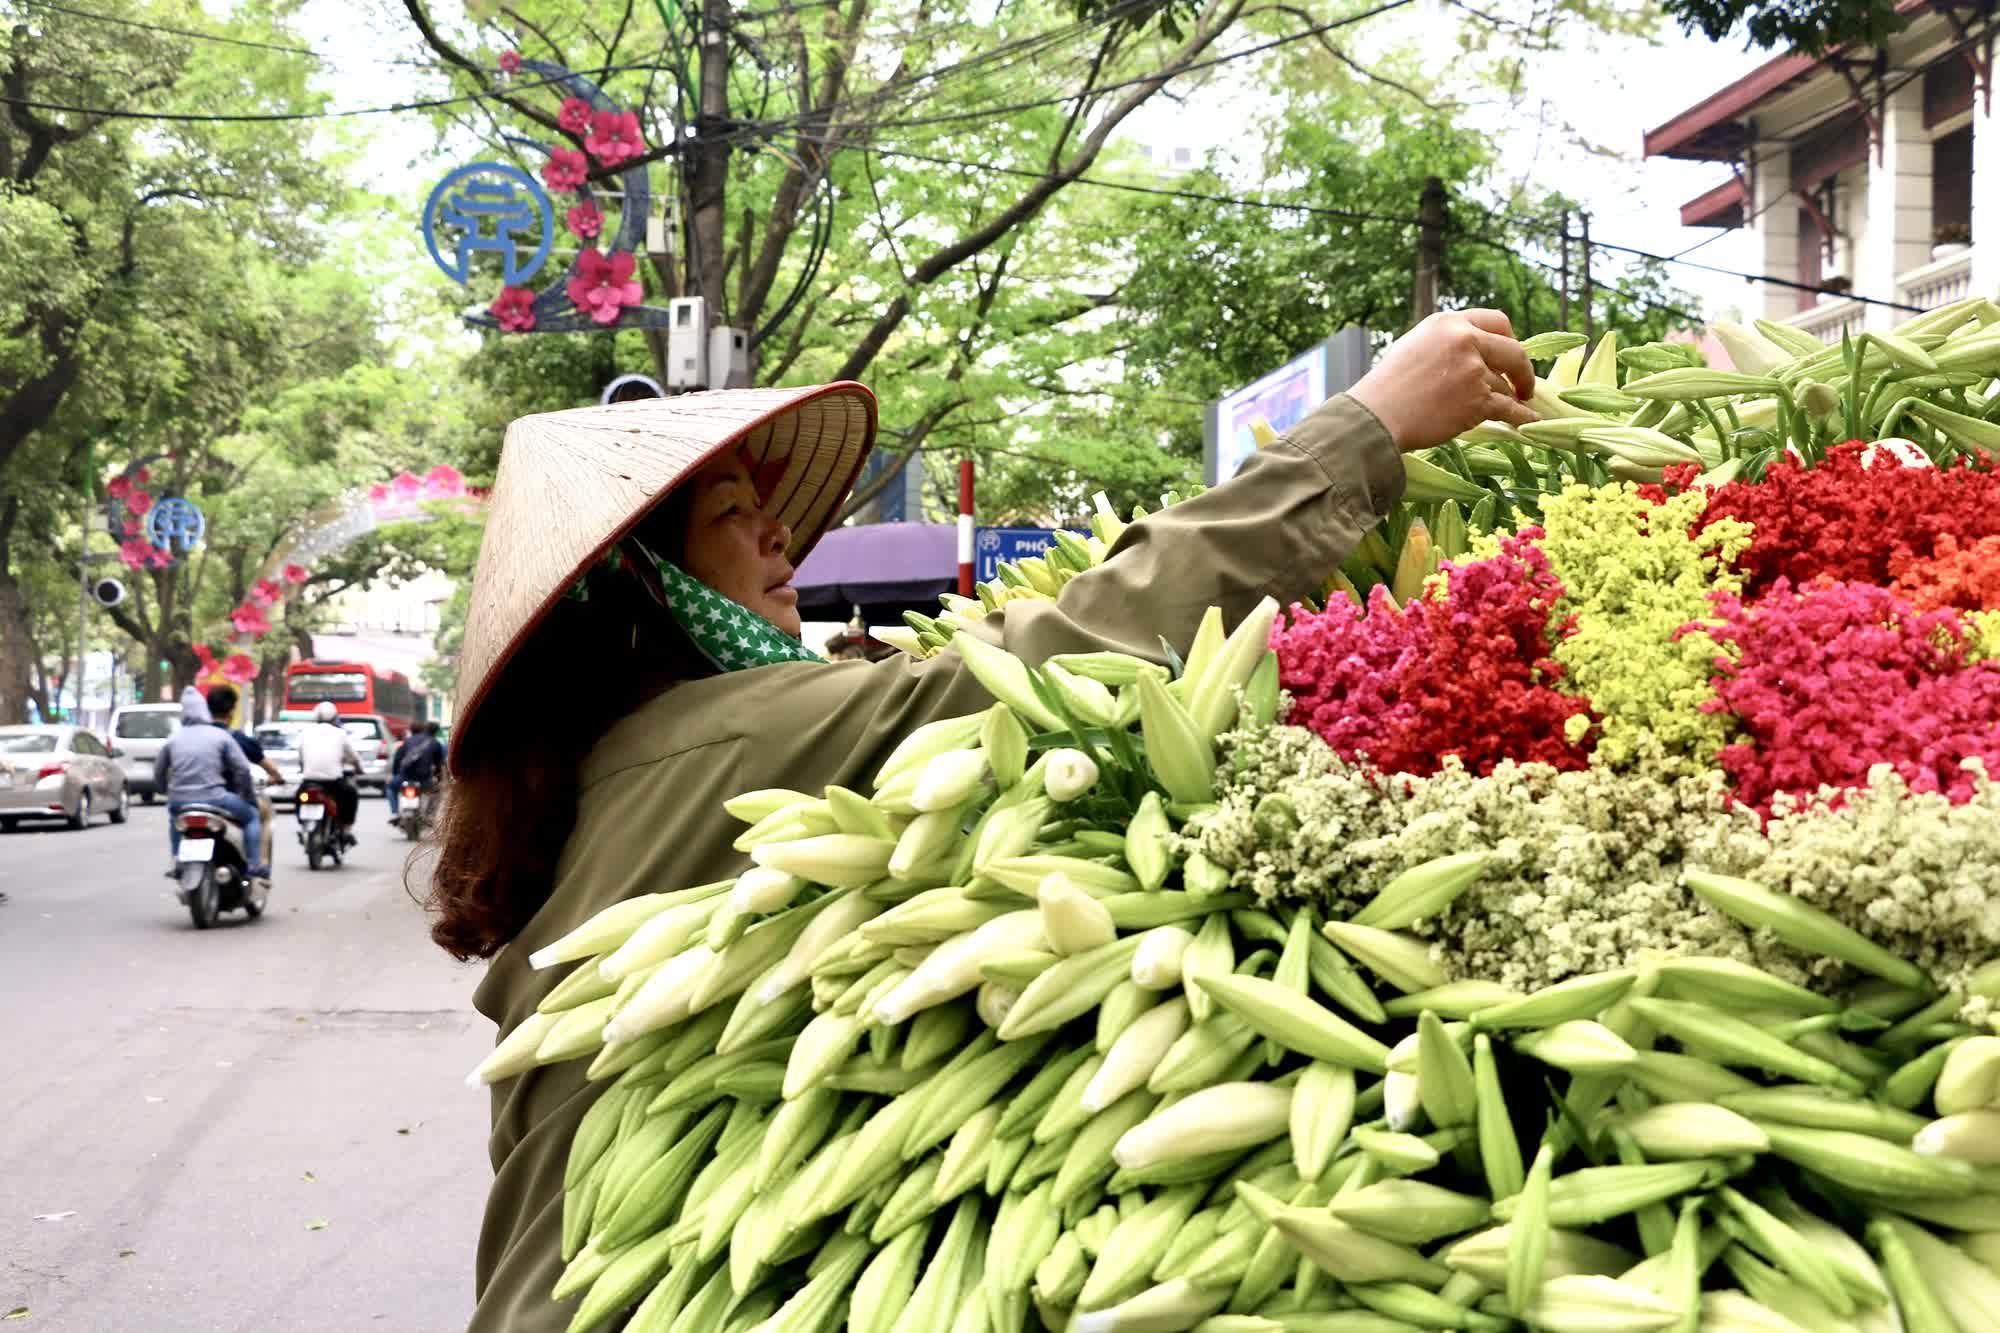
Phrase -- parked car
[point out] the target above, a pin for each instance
(138, 731)
(374, 745)
(281, 746)
(59, 772)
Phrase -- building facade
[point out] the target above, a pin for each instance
(1870, 178)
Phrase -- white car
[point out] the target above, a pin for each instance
(281, 746)
(139, 731)
(372, 745)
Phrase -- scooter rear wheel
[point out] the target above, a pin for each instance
(198, 882)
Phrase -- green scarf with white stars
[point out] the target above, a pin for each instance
(728, 634)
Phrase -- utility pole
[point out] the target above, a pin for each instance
(1589, 320)
(1430, 249)
(1562, 292)
(709, 180)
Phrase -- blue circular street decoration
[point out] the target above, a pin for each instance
(175, 521)
(490, 205)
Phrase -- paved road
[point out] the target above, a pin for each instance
(180, 1111)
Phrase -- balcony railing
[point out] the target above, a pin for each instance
(1937, 283)
(1831, 318)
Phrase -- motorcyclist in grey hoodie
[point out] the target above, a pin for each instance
(203, 765)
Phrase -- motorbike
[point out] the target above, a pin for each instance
(418, 809)
(211, 867)
(319, 825)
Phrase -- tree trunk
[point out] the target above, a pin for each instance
(710, 177)
(16, 660)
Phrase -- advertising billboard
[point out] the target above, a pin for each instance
(1282, 398)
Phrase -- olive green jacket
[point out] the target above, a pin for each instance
(649, 811)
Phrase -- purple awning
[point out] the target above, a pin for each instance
(884, 568)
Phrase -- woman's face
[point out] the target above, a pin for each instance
(734, 547)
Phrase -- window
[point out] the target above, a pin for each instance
(1951, 179)
(82, 742)
(31, 743)
(320, 686)
(277, 738)
(156, 726)
(362, 728)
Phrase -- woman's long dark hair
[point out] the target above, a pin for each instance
(511, 803)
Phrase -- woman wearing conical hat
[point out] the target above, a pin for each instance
(631, 658)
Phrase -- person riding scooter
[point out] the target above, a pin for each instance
(203, 765)
(222, 700)
(419, 761)
(326, 756)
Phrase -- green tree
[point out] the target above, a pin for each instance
(1810, 25)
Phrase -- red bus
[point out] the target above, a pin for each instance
(356, 688)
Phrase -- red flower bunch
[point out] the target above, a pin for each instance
(604, 285)
(135, 553)
(1848, 521)
(239, 669)
(585, 220)
(565, 169)
(264, 592)
(510, 62)
(138, 503)
(573, 115)
(1963, 576)
(614, 137)
(1465, 671)
(1831, 680)
(118, 487)
(514, 309)
(295, 574)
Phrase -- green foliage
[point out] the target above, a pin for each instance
(1810, 25)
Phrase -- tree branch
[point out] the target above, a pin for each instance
(1214, 21)
(436, 42)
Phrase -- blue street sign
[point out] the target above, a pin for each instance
(990, 546)
(495, 208)
(175, 521)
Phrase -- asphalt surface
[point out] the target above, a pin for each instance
(263, 1126)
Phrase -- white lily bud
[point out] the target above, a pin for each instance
(665, 999)
(762, 889)
(1969, 1136)
(993, 1001)
(1074, 921)
(948, 780)
(1157, 965)
(1402, 1104)
(1070, 774)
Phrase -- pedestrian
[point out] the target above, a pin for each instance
(222, 701)
(203, 765)
(631, 656)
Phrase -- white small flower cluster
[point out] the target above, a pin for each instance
(1913, 872)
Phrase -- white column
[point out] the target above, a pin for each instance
(1777, 222)
(1895, 235)
(1985, 199)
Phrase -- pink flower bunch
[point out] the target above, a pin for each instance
(514, 309)
(565, 169)
(573, 115)
(510, 62)
(264, 592)
(249, 618)
(239, 669)
(118, 487)
(604, 285)
(138, 503)
(614, 137)
(135, 553)
(1830, 680)
(294, 574)
(1463, 671)
(585, 220)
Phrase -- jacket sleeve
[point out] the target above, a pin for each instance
(1298, 508)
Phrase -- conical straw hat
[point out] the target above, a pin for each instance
(572, 483)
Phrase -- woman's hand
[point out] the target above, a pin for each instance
(1447, 375)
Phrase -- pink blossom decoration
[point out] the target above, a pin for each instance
(378, 494)
(407, 485)
(159, 559)
(239, 669)
(118, 487)
(443, 481)
(295, 573)
(604, 285)
(250, 619)
(137, 503)
(565, 169)
(614, 137)
(510, 62)
(264, 592)
(574, 115)
(585, 220)
(134, 553)
(133, 527)
(144, 475)
(514, 309)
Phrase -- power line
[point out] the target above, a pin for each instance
(197, 35)
(265, 117)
